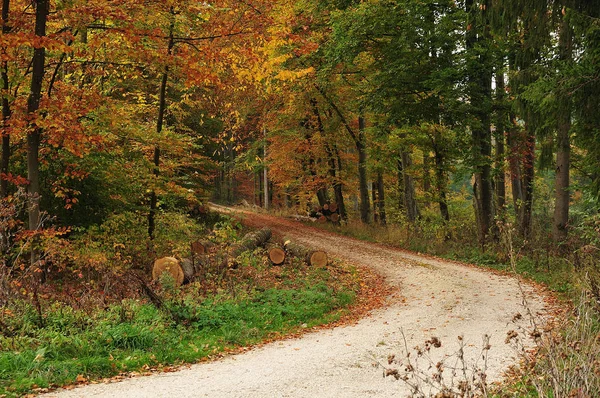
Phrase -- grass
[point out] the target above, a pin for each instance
(255, 303)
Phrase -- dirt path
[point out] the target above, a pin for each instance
(440, 298)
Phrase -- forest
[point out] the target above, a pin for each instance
(467, 129)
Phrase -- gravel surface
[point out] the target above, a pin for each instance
(438, 299)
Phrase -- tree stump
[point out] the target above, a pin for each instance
(170, 265)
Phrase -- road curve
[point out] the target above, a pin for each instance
(440, 299)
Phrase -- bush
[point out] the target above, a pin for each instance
(122, 241)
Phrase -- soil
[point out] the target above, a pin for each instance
(458, 304)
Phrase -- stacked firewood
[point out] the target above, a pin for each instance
(204, 253)
(329, 212)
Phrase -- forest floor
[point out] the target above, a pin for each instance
(435, 301)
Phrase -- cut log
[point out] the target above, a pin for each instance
(322, 219)
(251, 241)
(333, 207)
(317, 258)
(334, 218)
(170, 265)
(276, 255)
(201, 246)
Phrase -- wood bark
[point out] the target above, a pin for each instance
(251, 241)
(381, 198)
(4, 165)
(38, 69)
(317, 126)
(400, 179)
(374, 190)
(528, 175)
(361, 148)
(334, 169)
(316, 258)
(480, 83)
(162, 101)
(501, 122)
(441, 182)
(513, 142)
(563, 154)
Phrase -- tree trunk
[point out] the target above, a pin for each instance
(337, 187)
(374, 190)
(528, 175)
(480, 83)
(4, 165)
(363, 187)
(513, 141)
(500, 183)
(400, 177)
(34, 136)
(162, 101)
(410, 201)
(381, 198)
(441, 182)
(333, 173)
(561, 186)
(266, 175)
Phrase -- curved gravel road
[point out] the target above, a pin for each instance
(439, 299)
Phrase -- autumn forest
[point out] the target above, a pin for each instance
(462, 128)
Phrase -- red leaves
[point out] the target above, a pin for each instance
(13, 179)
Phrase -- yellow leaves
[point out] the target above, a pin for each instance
(293, 75)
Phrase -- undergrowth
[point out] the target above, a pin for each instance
(74, 329)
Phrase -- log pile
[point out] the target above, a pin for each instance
(329, 212)
(205, 254)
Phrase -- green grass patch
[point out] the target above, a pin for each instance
(133, 334)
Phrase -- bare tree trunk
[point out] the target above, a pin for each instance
(266, 176)
(162, 101)
(400, 178)
(332, 154)
(4, 166)
(480, 83)
(563, 154)
(361, 148)
(501, 119)
(441, 182)
(528, 175)
(410, 202)
(381, 198)
(514, 162)
(34, 136)
(374, 190)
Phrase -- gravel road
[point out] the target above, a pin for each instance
(438, 299)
